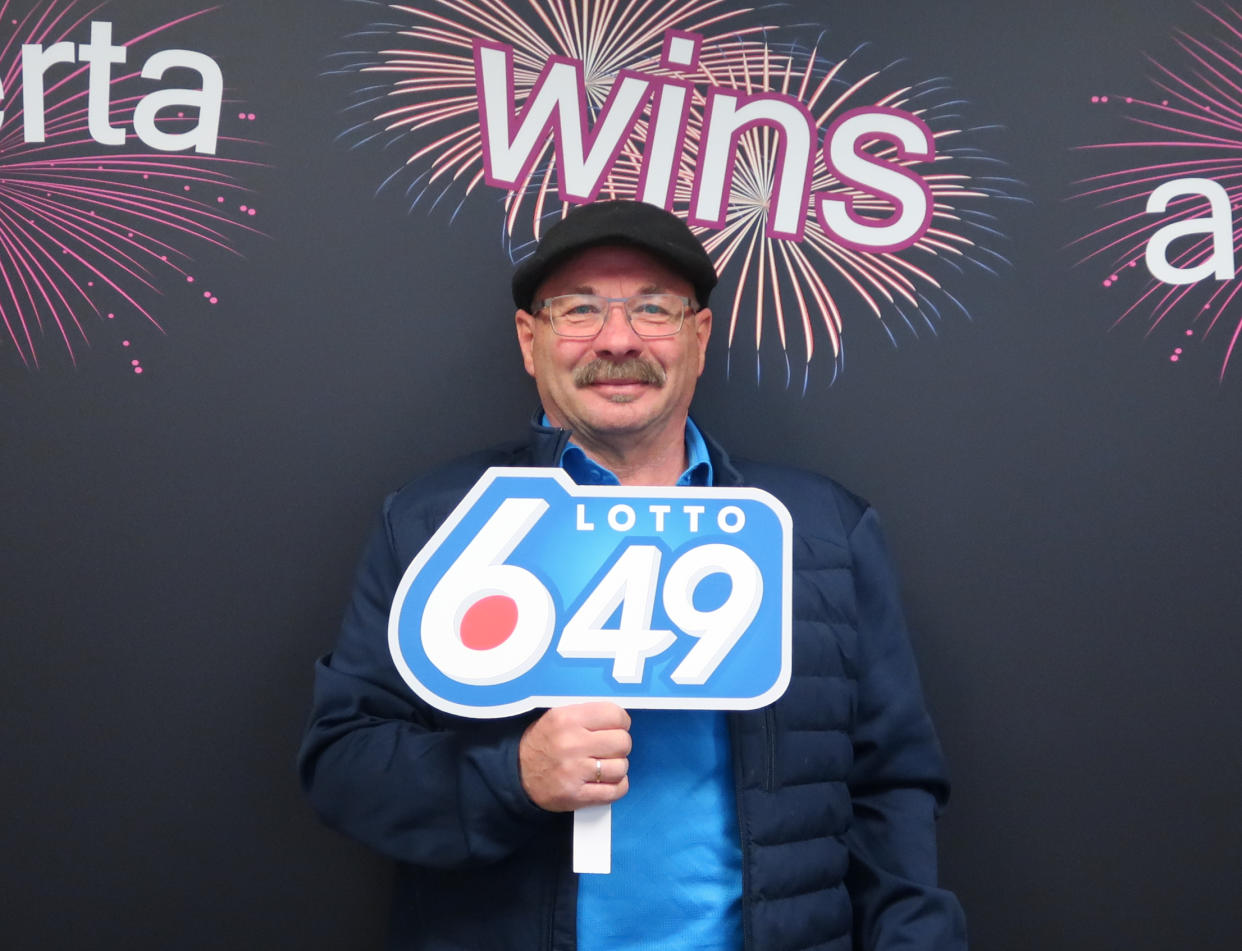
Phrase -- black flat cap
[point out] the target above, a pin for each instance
(636, 223)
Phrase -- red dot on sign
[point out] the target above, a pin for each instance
(489, 622)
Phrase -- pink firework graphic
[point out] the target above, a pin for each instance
(812, 283)
(1170, 243)
(96, 223)
(424, 100)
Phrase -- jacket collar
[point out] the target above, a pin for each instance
(547, 443)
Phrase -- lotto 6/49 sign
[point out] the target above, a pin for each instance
(537, 592)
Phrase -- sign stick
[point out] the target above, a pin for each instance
(593, 839)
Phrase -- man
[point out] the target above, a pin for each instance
(807, 824)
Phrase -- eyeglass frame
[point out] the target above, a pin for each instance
(688, 307)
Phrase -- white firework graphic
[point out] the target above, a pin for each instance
(421, 100)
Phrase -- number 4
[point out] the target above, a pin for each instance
(631, 584)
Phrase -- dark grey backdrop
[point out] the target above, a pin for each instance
(1063, 507)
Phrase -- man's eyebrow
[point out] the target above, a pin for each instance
(651, 287)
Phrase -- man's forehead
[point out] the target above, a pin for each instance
(585, 269)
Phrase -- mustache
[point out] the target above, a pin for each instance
(604, 371)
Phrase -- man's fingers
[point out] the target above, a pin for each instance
(607, 744)
(594, 794)
(559, 752)
(608, 771)
(599, 715)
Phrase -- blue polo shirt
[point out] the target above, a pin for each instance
(676, 881)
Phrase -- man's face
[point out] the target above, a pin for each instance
(637, 404)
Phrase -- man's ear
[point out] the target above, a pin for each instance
(703, 330)
(525, 324)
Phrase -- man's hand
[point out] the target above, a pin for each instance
(575, 756)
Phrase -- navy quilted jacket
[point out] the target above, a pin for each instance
(838, 782)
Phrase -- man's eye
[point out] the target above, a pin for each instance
(652, 307)
(579, 307)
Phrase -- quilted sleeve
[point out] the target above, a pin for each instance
(898, 782)
(385, 769)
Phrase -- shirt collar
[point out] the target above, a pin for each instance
(586, 471)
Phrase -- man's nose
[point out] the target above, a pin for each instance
(617, 336)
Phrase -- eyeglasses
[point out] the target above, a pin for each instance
(583, 315)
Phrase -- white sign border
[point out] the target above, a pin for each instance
(626, 492)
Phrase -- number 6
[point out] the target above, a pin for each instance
(478, 573)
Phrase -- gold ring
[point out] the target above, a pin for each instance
(599, 771)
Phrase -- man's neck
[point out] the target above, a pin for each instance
(658, 459)
(663, 469)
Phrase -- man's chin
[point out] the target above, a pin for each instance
(627, 392)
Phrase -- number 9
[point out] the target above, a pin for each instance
(716, 630)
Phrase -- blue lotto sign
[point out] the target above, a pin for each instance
(537, 592)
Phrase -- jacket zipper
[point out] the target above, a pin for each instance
(735, 720)
(769, 747)
(550, 921)
(564, 901)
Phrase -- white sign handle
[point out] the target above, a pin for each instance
(593, 839)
